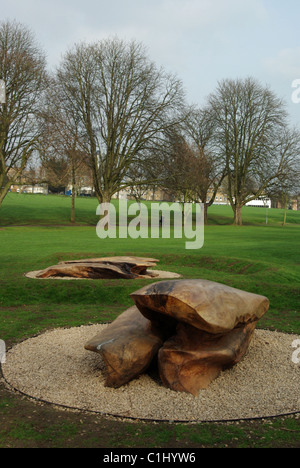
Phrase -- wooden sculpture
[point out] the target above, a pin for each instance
(102, 268)
(196, 328)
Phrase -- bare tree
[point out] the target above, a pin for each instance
(138, 188)
(59, 148)
(191, 170)
(22, 68)
(175, 172)
(208, 170)
(123, 103)
(250, 121)
(287, 185)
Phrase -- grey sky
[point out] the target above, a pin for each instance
(202, 41)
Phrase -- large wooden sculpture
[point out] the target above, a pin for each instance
(102, 268)
(195, 328)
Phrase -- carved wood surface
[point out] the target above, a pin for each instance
(195, 328)
(192, 359)
(127, 346)
(102, 268)
(206, 305)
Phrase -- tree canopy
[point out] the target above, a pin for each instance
(251, 138)
(23, 70)
(123, 104)
(108, 107)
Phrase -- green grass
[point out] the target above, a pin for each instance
(263, 260)
(36, 233)
(28, 209)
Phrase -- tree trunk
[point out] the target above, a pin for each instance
(73, 205)
(4, 190)
(238, 215)
(73, 194)
(105, 196)
(205, 212)
(285, 210)
(2, 196)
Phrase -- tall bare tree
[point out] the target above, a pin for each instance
(22, 68)
(180, 170)
(249, 137)
(287, 185)
(123, 103)
(208, 171)
(59, 148)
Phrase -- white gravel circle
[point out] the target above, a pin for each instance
(55, 367)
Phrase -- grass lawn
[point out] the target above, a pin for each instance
(35, 232)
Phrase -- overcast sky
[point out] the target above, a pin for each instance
(202, 41)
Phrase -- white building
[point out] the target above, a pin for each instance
(260, 202)
(38, 188)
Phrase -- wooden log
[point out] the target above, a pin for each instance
(127, 346)
(192, 359)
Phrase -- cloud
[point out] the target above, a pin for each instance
(169, 18)
(171, 29)
(176, 32)
(286, 63)
(191, 14)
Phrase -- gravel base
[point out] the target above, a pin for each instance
(55, 367)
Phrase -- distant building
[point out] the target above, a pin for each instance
(261, 202)
(293, 204)
(23, 188)
(222, 199)
(155, 194)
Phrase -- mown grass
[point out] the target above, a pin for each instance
(36, 233)
(28, 209)
(263, 260)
